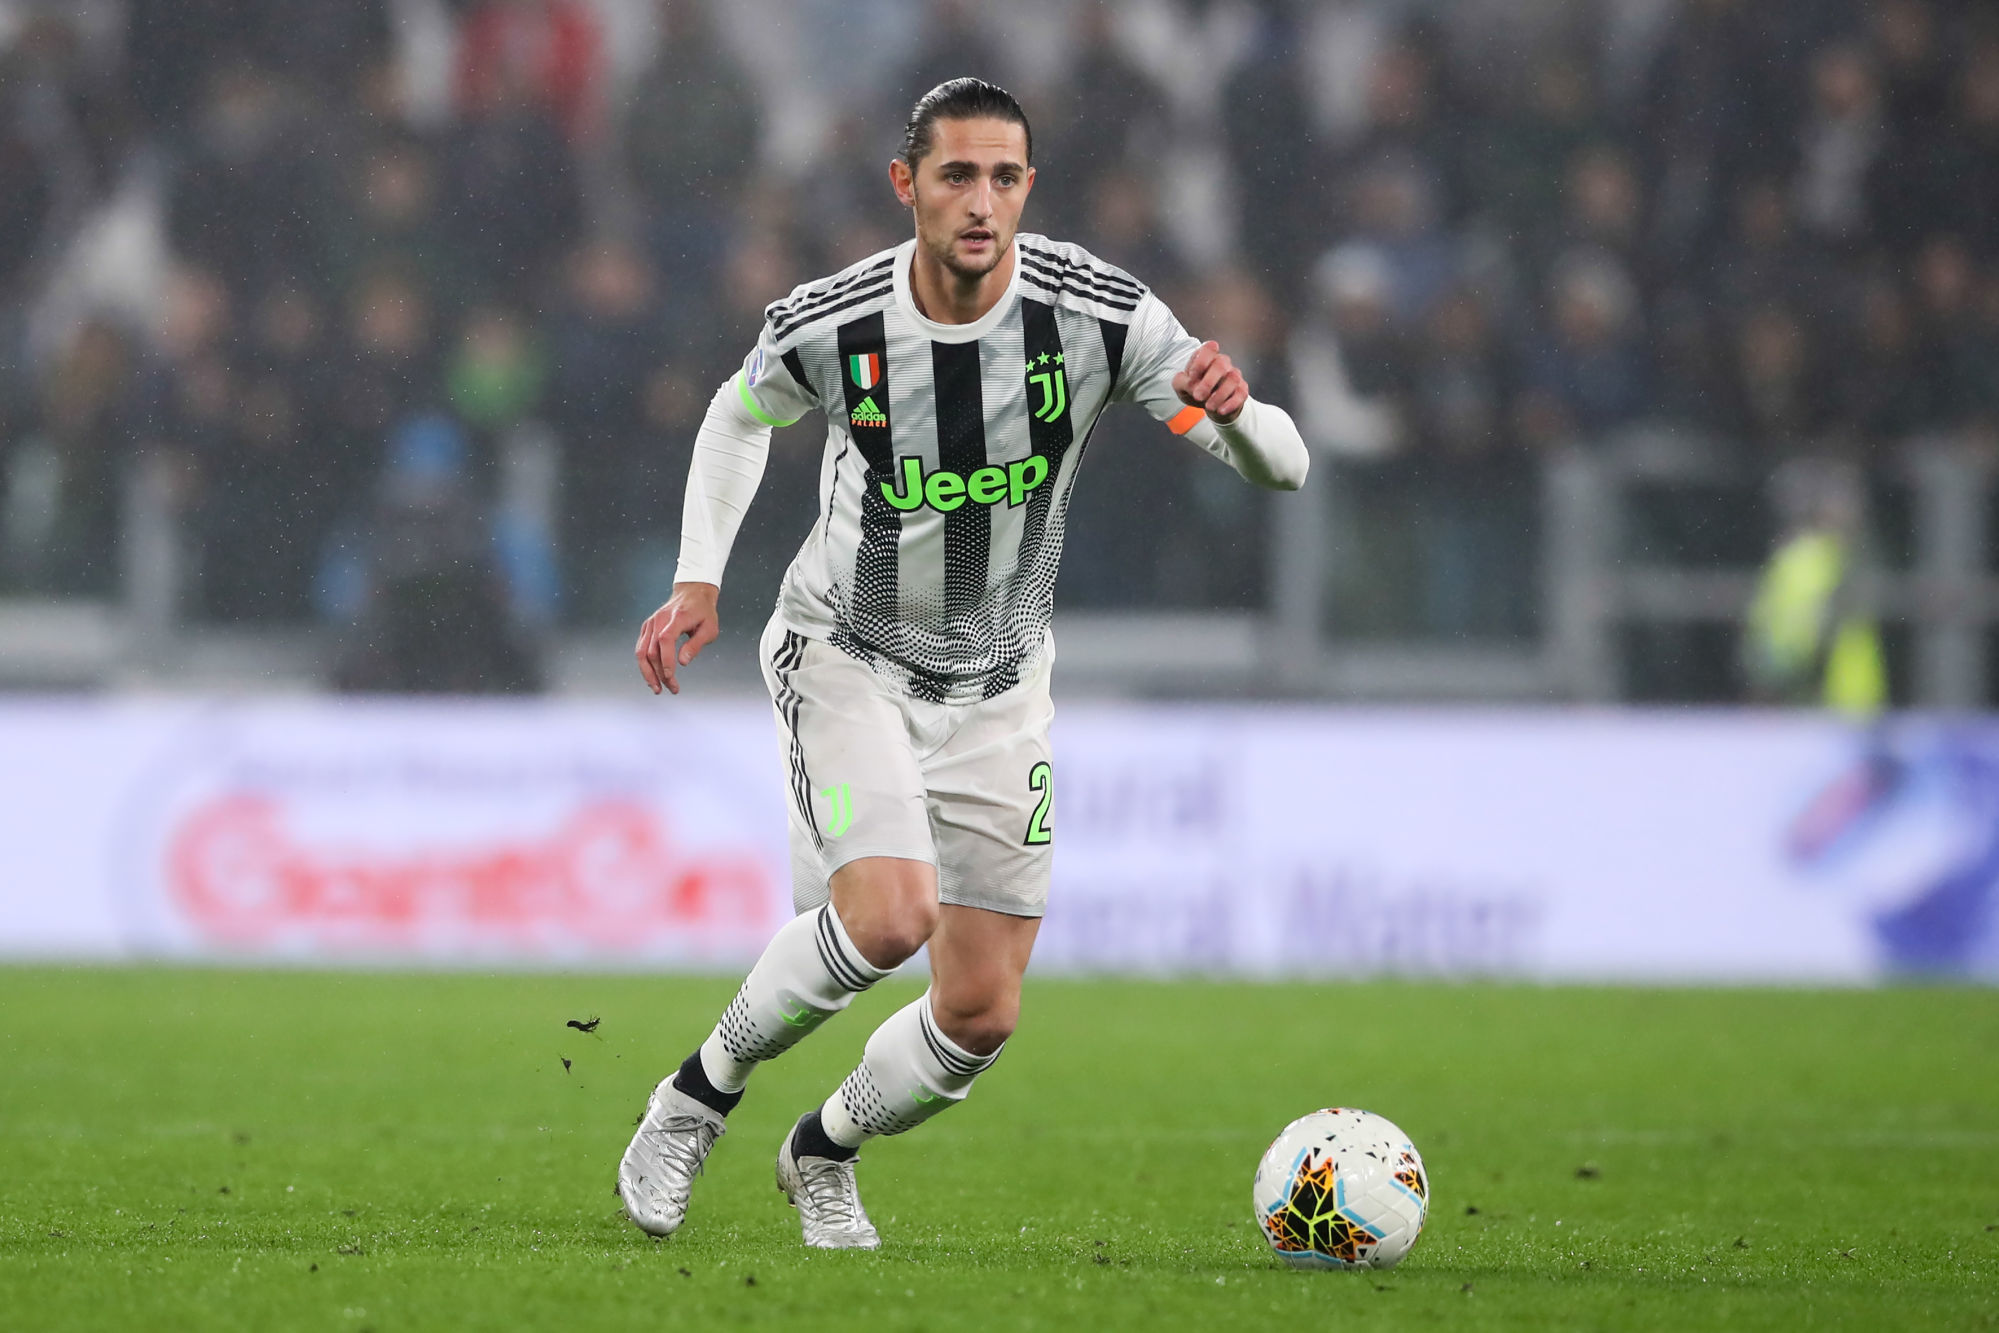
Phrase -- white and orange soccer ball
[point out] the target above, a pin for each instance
(1341, 1189)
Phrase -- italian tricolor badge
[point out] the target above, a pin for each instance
(866, 368)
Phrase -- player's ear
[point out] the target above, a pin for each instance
(904, 181)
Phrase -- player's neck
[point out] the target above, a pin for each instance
(948, 297)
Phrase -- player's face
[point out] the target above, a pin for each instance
(968, 191)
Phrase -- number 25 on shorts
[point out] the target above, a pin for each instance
(1041, 778)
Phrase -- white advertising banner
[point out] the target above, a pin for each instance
(445, 831)
(1259, 841)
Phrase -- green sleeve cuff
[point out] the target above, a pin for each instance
(755, 409)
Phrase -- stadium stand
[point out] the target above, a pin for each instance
(250, 251)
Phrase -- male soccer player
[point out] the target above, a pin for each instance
(960, 374)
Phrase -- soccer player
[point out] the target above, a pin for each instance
(908, 659)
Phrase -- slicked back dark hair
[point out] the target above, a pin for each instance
(960, 99)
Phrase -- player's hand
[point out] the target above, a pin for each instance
(1212, 383)
(688, 614)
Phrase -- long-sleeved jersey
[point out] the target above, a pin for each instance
(951, 452)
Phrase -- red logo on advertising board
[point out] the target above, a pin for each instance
(609, 876)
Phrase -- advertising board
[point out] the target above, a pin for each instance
(1225, 840)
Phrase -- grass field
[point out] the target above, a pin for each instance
(203, 1149)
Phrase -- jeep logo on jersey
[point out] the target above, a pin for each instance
(945, 491)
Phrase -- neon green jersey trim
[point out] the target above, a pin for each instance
(743, 392)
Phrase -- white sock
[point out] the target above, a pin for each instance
(909, 1072)
(808, 972)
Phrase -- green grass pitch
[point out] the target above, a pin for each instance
(217, 1150)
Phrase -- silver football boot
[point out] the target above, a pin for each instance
(657, 1174)
(827, 1199)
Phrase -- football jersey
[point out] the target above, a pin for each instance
(951, 452)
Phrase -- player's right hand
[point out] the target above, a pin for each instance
(688, 614)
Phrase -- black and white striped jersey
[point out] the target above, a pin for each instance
(951, 451)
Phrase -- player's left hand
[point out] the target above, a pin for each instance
(1212, 383)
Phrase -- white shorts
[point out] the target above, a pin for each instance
(871, 772)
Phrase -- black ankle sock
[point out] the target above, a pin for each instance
(693, 1080)
(810, 1140)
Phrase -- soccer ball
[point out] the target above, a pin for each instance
(1341, 1189)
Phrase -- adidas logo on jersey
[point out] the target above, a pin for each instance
(867, 414)
(945, 491)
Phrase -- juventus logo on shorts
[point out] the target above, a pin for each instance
(840, 809)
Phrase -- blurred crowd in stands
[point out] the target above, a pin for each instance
(411, 304)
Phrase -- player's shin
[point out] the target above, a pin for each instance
(809, 971)
(909, 1072)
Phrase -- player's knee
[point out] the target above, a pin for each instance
(888, 906)
(897, 936)
(980, 1023)
(888, 933)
